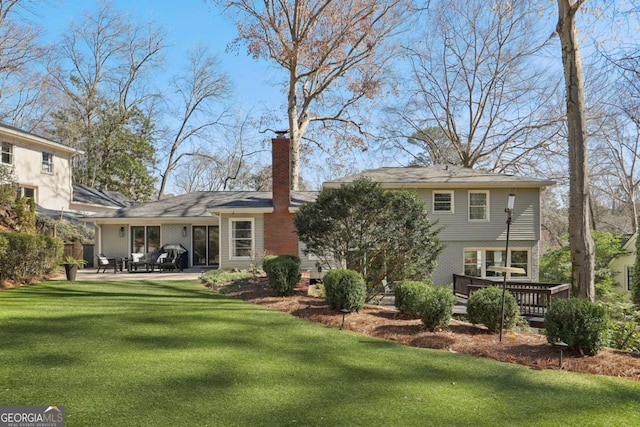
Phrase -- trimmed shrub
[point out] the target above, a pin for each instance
(345, 289)
(484, 307)
(28, 255)
(283, 272)
(215, 278)
(579, 323)
(438, 307)
(267, 262)
(410, 296)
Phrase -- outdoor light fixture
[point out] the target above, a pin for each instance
(184, 231)
(511, 203)
(506, 269)
(121, 231)
(344, 312)
(562, 346)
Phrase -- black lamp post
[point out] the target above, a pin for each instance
(506, 269)
(509, 211)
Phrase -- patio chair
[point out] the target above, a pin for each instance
(104, 263)
(137, 260)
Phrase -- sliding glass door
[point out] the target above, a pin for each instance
(206, 245)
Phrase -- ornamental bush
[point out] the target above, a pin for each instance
(283, 273)
(410, 296)
(345, 289)
(580, 323)
(27, 255)
(438, 307)
(485, 307)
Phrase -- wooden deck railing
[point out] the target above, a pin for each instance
(533, 298)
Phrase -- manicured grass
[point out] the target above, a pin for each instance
(145, 353)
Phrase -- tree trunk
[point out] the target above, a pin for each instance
(634, 210)
(580, 240)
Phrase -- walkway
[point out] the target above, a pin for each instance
(91, 275)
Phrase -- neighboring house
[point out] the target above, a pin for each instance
(43, 171)
(623, 266)
(470, 206)
(228, 229)
(42, 167)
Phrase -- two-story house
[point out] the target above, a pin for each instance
(470, 205)
(43, 171)
(42, 167)
(231, 229)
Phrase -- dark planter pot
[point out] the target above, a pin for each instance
(71, 270)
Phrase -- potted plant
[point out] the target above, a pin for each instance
(71, 265)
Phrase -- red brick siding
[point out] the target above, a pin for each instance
(280, 237)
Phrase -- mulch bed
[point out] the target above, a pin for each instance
(522, 347)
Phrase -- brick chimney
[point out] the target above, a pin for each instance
(281, 171)
(280, 237)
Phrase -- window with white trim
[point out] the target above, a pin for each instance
(145, 239)
(443, 202)
(478, 206)
(47, 162)
(477, 262)
(630, 271)
(29, 192)
(6, 158)
(241, 238)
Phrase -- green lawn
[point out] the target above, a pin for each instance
(153, 353)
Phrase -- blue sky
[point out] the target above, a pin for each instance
(186, 23)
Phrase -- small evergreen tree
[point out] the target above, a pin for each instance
(382, 234)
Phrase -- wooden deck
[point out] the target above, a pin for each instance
(534, 299)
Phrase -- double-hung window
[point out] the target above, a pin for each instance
(241, 238)
(443, 202)
(47, 162)
(479, 206)
(6, 158)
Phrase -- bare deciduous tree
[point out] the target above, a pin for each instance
(580, 240)
(334, 54)
(101, 71)
(230, 165)
(198, 89)
(478, 95)
(21, 86)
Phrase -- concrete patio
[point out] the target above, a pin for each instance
(90, 274)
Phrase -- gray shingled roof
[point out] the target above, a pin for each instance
(199, 204)
(93, 196)
(33, 138)
(439, 176)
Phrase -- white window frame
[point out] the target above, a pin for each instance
(483, 260)
(628, 277)
(6, 152)
(47, 162)
(487, 205)
(23, 190)
(232, 247)
(433, 202)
